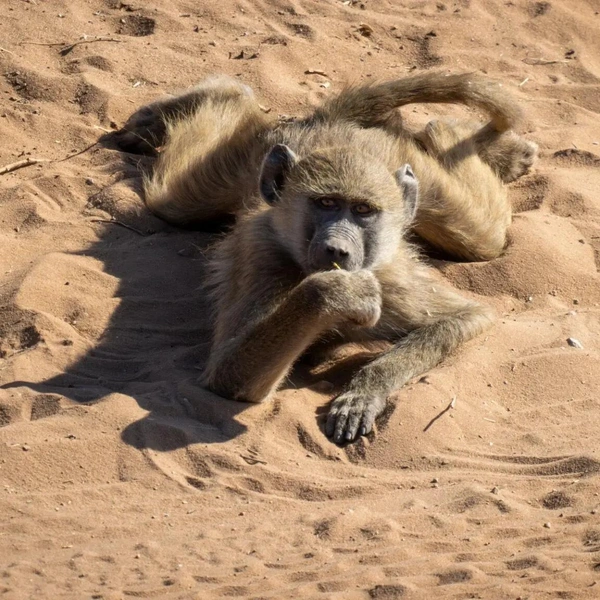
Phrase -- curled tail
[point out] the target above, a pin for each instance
(370, 105)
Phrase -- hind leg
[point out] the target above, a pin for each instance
(464, 209)
(508, 154)
(146, 129)
(207, 169)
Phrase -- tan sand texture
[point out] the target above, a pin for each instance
(121, 478)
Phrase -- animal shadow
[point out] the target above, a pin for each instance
(157, 338)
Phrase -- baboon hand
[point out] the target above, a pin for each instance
(350, 296)
(353, 413)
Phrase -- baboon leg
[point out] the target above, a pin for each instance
(208, 169)
(146, 129)
(464, 209)
(448, 321)
(250, 364)
(509, 155)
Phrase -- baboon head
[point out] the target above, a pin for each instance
(338, 207)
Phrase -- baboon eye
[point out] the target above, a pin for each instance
(363, 209)
(328, 203)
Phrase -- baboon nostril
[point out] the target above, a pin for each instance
(336, 252)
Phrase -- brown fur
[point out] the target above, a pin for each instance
(269, 310)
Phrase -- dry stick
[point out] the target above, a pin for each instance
(34, 161)
(252, 461)
(22, 164)
(66, 48)
(76, 153)
(42, 43)
(70, 47)
(449, 407)
(541, 61)
(5, 50)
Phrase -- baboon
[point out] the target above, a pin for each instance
(322, 205)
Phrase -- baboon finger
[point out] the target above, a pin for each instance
(368, 419)
(340, 426)
(331, 421)
(354, 420)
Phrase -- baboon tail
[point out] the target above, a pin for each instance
(369, 105)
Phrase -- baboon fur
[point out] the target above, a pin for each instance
(276, 294)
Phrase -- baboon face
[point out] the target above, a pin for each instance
(343, 232)
(337, 209)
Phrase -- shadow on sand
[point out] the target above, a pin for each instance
(158, 338)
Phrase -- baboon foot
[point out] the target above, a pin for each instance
(517, 156)
(146, 129)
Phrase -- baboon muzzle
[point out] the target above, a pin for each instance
(336, 252)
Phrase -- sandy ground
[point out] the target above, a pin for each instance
(120, 477)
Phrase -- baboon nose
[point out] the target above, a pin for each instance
(337, 252)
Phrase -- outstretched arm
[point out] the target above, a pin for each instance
(447, 321)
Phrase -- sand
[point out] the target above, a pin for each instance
(120, 477)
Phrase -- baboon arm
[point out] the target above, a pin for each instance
(355, 411)
(251, 365)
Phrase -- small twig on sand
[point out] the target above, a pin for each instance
(76, 153)
(34, 161)
(21, 164)
(42, 43)
(5, 50)
(252, 461)
(542, 61)
(66, 48)
(449, 407)
(115, 222)
(524, 82)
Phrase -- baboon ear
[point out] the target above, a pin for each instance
(410, 190)
(274, 169)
